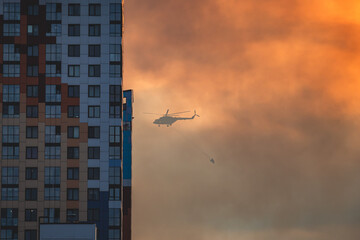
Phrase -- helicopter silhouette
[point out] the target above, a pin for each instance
(169, 118)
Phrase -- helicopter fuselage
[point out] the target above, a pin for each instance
(165, 120)
(169, 120)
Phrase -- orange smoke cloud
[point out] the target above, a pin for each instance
(276, 84)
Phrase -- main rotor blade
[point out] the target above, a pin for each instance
(153, 113)
(178, 113)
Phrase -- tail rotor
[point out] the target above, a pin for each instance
(195, 115)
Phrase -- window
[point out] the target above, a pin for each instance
(30, 194)
(11, 98)
(114, 152)
(52, 134)
(115, 134)
(10, 152)
(52, 175)
(127, 126)
(72, 194)
(115, 176)
(52, 214)
(32, 91)
(114, 183)
(94, 91)
(115, 52)
(33, 30)
(74, 71)
(53, 29)
(11, 70)
(9, 183)
(115, 111)
(33, 50)
(93, 194)
(30, 235)
(94, 51)
(115, 12)
(93, 132)
(10, 142)
(9, 217)
(52, 111)
(94, 30)
(115, 70)
(11, 29)
(11, 93)
(93, 214)
(53, 94)
(114, 234)
(74, 50)
(115, 29)
(53, 70)
(74, 10)
(33, 10)
(115, 98)
(94, 111)
(10, 134)
(74, 91)
(114, 193)
(9, 234)
(53, 60)
(31, 111)
(73, 111)
(94, 9)
(94, 173)
(73, 132)
(93, 152)
(73, 153)
(53, 52)
(11, 110)
(73, 173)
(31, 173)
(53, 11)
(30, 215)
(32, 71)
(52, 183)
(115, 94)
(11, 11)
(72, 215)
(115, 20)
(94, 71)
(52, 152)
(9, 193)
(74, 30)
(11, 52)
(31, 152)
(9, 175)
(114, 217)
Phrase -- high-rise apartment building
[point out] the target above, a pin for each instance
(65, 122)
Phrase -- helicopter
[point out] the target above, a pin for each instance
(169, 118)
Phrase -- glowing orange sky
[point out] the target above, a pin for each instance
(277, 86)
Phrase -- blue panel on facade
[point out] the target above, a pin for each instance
(127, 146)
(127, 155)
(127, 114)
(103, 205)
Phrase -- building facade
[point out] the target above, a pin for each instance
(62, 120)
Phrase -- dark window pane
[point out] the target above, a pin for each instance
(74, 50)
(74, 10)
(94, 9)
(74, 29)
(94, 51)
